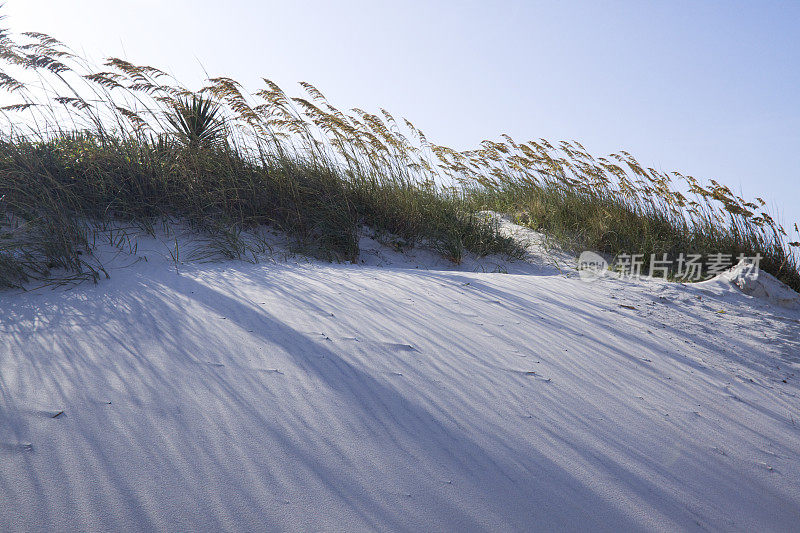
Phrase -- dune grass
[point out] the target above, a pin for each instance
(646, 217)
(82, 147)
(58, 193)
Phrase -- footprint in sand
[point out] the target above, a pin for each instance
(16, 447)
(269, 370)
(399, 346)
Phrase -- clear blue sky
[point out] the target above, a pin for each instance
(710, 89)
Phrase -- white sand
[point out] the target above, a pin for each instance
(394, 396)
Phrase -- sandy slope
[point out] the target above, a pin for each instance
(342, 397)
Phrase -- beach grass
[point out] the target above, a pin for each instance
(81, 147)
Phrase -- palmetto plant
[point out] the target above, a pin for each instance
(196, 121)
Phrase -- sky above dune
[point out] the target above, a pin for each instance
(710, 89)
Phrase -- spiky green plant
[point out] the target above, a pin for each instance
(196, 121)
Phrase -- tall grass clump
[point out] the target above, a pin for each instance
(84, 147)
(83, 150)
(616, 206)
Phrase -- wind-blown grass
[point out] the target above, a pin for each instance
(82, 147)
